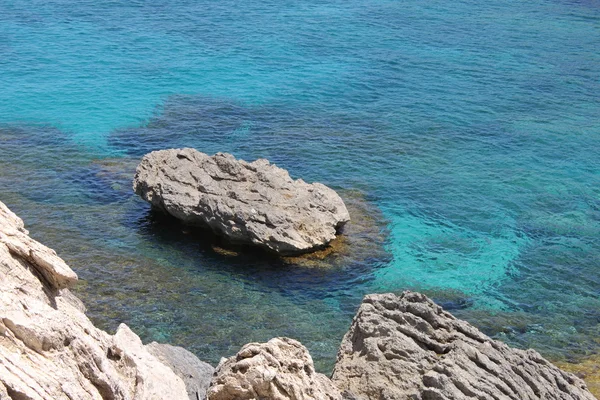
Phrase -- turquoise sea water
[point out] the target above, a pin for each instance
(466, 133)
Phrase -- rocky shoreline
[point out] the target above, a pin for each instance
(398, 347)
(49, 349)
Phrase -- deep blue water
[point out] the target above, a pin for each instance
(464, 133)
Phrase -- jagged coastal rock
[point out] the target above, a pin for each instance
(49, 349)
(248, 203)
(398, 347)
(407, 347)
(280, 369)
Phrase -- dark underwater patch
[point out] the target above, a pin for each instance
(317, 276)
(308, 142)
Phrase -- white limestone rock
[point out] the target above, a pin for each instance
(49, 349)
(280, 369)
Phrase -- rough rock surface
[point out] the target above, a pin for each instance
(407, 347)
(280, 369)
(49, 349)
(251, 203)
(195, 374)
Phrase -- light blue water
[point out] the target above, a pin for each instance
(468, 130)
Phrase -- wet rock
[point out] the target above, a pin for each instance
(253, 203)
(280, 369)
(195, 374)
(407, 347)
(49, 349)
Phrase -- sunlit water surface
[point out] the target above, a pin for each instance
(464, 134)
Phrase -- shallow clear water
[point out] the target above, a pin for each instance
(464, 133)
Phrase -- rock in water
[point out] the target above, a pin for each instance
(249, 203)
(407, 347)
(49, 349)
(280, 369)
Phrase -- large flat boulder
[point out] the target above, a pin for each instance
(280, 369)
(407, 347)
(49, 349)
(253, 203)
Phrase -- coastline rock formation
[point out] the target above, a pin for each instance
(407, 347)
(280, 369)
(195, 374)
(49, 349)
(398, 347)
(253, 203)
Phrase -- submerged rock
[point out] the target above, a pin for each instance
(249, 203)
(280, 369)
(407, 347)
(49, 349)
(588, 369)
(363, 242)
